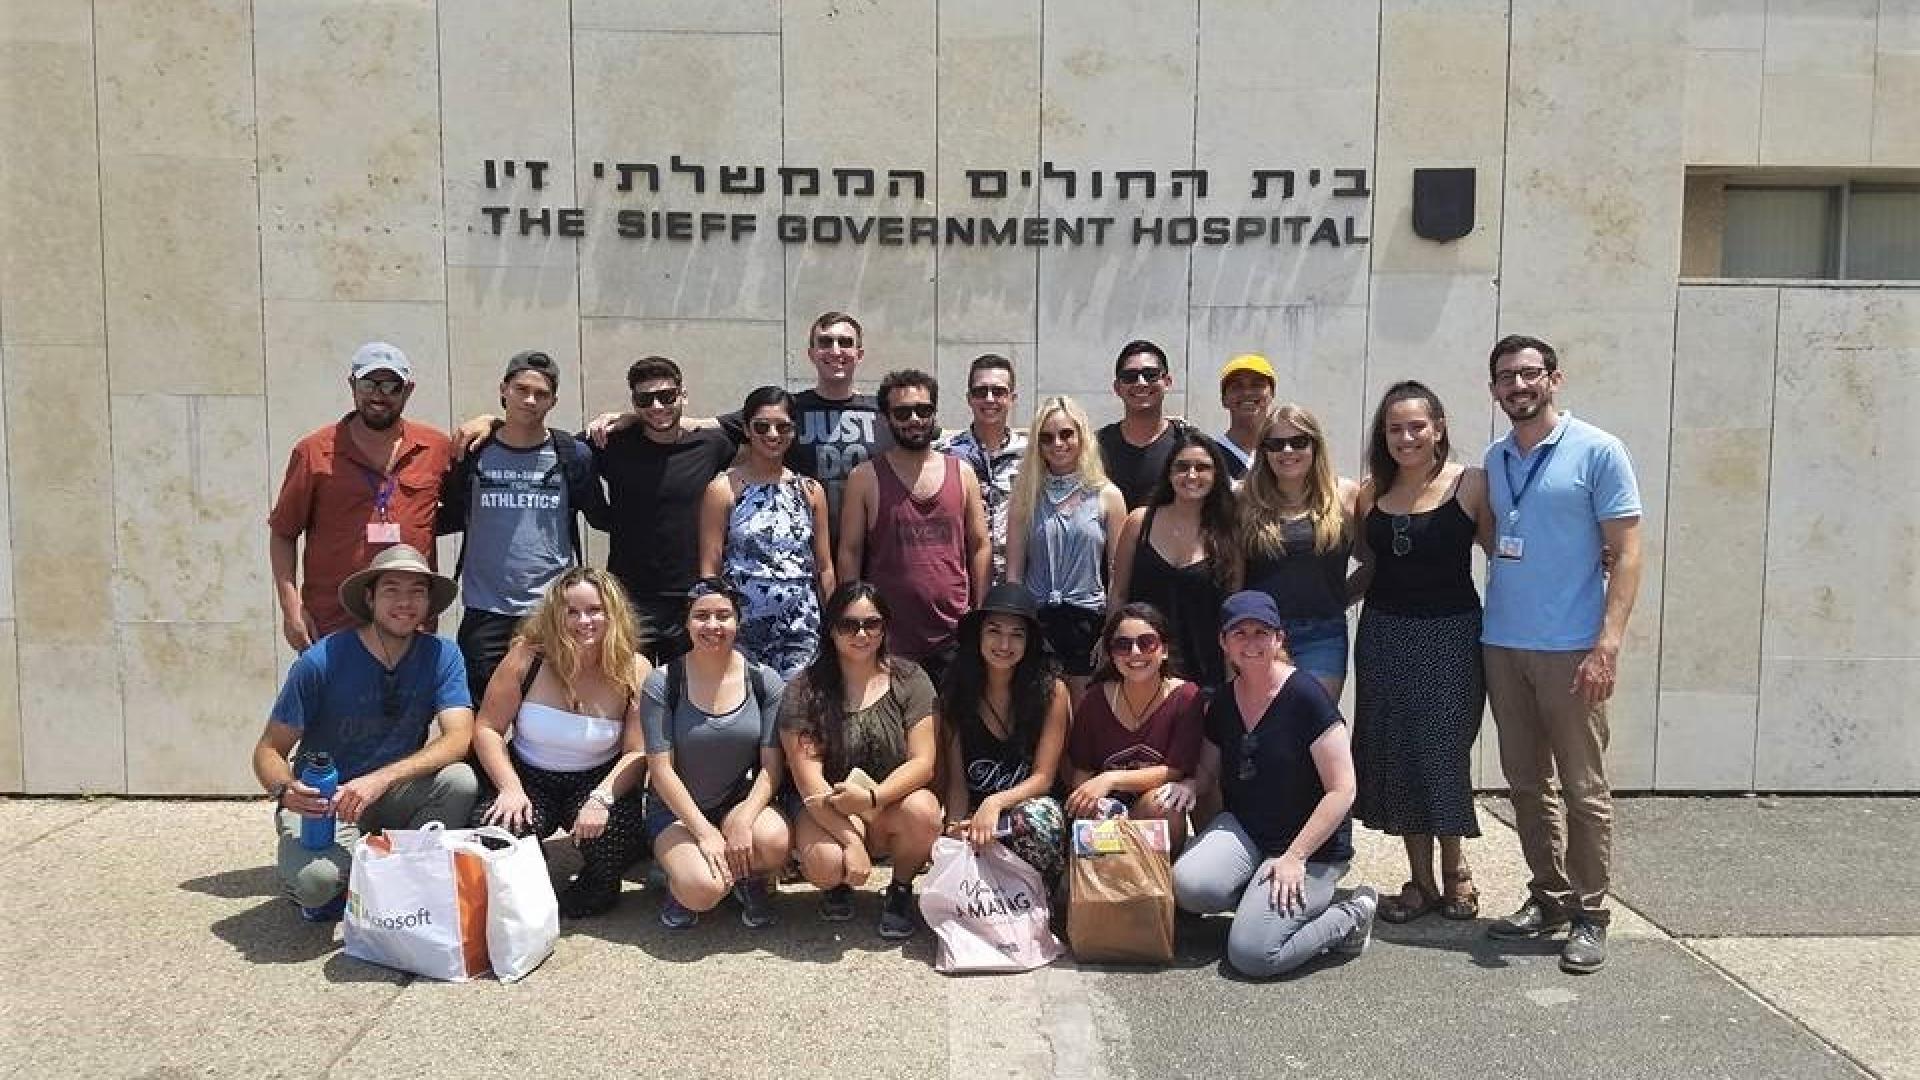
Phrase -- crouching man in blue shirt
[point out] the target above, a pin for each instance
(366, 696)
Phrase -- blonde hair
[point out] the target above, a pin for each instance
(545, 629)
(1262, 518)
(1033, 468)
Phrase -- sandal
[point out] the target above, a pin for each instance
(1463, 905)
(1410, 904)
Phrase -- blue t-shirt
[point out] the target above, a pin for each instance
(1553, 598)
(337, 698)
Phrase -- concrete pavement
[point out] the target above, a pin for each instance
(145, 939)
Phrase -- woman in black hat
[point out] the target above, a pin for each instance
(1004, 710)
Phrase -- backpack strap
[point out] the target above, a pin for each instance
(676, 685)
(567, 452)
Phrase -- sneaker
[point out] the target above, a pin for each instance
(1533, 920)
(677, 916)
(1364, 903)
(584, 899)
(896, 912)
(756, 909)
(1585, 950)
(836, 904)
(330, 912)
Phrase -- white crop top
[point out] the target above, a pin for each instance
(560, 741)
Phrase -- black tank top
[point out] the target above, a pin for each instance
(1435, 576)
(1190, 598)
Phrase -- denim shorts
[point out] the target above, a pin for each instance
(1318, 646)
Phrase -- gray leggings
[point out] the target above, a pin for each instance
(1217, 873)
(313, 878)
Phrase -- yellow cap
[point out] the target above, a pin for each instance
(1253, 362)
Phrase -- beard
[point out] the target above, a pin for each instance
(380, 423)
(1523, 410)
(915, 440)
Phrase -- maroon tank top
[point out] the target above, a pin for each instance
(917, 557)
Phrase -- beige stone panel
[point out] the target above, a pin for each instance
(494, 312)
(1716, 566)
(189, 484)
(46, 22)
(1318, 356)
(176, 77)
(6, 513)
(989, 118)
(722, 360)
(877, 112)
(1704, 226)
(1596, 121)
(1837, 724)
(1896, 116)
(1435, 328)
(1816, 119)
(1442, 104)
(309, 347)
(683, 16)
(725, 110)
(349, 150)
(1899, 27)
(1827, 36)
(50, 286)
(951, 366)
(12, 774)
(61, 477)
(506, 94)
(72, 730)
(1723, 357)
(1706, 741)
(1723, 107)
(203, 691)
(183, 275)
(1727, 24)
(890, 290)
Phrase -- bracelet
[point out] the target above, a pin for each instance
(874, 794)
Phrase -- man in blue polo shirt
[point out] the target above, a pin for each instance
(1562, 492)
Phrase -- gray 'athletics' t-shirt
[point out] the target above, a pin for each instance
(712, 754)
(517, 536)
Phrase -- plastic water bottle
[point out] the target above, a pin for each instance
(317, 772)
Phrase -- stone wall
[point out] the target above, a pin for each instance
(205, 204)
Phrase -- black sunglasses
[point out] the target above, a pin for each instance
(985, 391)
(1064, 435)
(771, 427)
(1402, 543)
(903, 413)
(1274, 444)
(388, 387)
(835, 341)
(1140, 375)
(851, 625)
(646, 399)
(1249, 746)
(390, 695)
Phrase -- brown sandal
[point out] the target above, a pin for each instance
(1462, 905)
(1410, 904)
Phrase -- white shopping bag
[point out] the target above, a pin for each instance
(987, 909)
(417, 901)
(523, 915)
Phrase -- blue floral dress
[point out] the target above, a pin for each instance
(769, 557)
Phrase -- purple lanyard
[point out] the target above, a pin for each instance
(382, 487)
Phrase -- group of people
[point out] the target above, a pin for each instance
(826, 636)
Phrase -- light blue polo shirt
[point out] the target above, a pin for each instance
(1553, 598)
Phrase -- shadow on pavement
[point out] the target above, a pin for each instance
(800, 934)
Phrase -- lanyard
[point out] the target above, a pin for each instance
(382, 487)
(1506, 466)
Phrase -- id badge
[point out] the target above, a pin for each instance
(383, 532)
(1511, 547)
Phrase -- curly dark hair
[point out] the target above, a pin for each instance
(1034, 679)
(825, 721)
(1146, 613)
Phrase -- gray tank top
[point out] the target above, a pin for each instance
(1066, 545)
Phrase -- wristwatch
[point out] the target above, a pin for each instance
(603, 798)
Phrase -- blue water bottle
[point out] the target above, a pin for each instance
(318, 773)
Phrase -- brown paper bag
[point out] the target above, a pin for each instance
(1120, 905)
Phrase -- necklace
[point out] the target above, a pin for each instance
(996, 719)
(1138, 716)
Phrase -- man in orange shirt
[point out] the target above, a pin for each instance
(353, 489)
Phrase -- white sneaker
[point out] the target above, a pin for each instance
(1364, 902)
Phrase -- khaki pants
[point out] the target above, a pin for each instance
(1553, 748)
(313, 878)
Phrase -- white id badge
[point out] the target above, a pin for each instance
(383, 532)
(1510, 547)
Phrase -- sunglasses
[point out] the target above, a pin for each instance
(989, 392)
(647, 399)
(1196, 467)
(1140, 375)
(771, 427)
(851, 625)
(1145, 643)
(390, 695)
(1249, 746)
(1274, 444)
(903, 413)
(1064, 435)
(387, 387)
(1402, 543)
(834, 341)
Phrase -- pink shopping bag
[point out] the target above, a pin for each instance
(987, 909)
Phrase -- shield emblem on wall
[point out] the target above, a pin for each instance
(1442, 203)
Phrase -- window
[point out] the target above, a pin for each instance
(1847, 230)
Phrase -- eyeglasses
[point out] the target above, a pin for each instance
(834, 341)
(385, 387)
(851, 625)
(1274, 444)
(1522, 376)
(771, 427)
(1140, 375)
(1064, 435)
(390, 695)
(665, 396)
(1402, 543)
(1144, 643)
(988, 391)
(1249, 746)
(903, 413)
(1199, 468)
